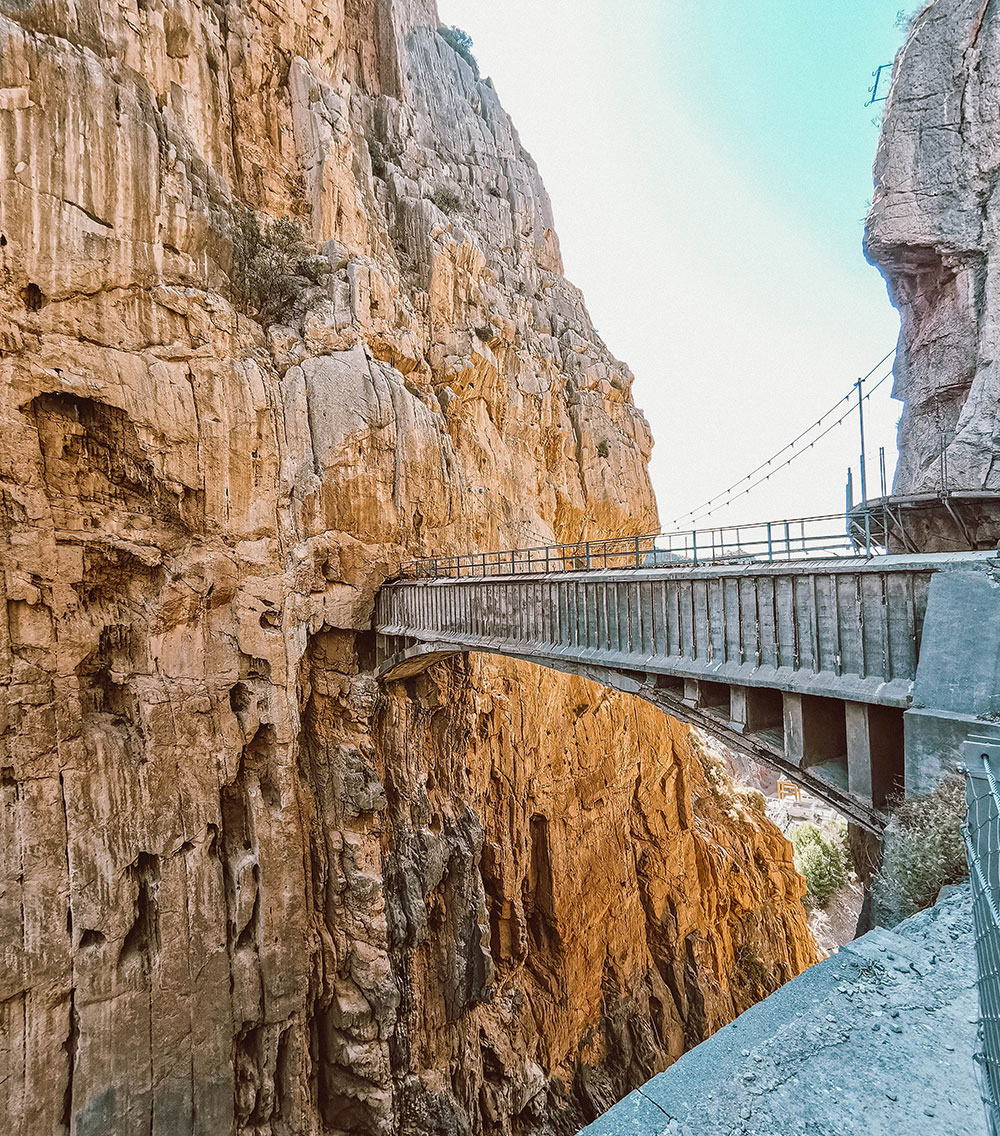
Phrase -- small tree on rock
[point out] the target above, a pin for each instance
(267, 255)
(460, 42)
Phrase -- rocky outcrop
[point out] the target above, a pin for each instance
(245, 889)
(932, 231)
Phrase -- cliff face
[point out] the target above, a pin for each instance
(933, 231)
(245, 889)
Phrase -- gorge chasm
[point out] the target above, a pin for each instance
(246, 888)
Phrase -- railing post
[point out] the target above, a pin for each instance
(587, 550)
(694, 546)
(637, 551)
(546, 558)
(770, 545)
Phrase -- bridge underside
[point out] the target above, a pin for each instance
(848, 755)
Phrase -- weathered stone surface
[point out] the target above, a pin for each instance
(245, 889)
(879, 1038)
(933, 230)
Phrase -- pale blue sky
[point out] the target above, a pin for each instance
(710, 169)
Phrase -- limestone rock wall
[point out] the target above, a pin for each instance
(933, 230)
(245, 889)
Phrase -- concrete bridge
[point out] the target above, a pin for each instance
(857, 677)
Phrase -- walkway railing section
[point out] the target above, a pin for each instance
(805, 538)
(982, 837)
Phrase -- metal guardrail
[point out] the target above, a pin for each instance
(982, 838)
(807, 537)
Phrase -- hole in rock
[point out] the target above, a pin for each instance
(143, 938)
(270, 619)
(34, 298)
(240, 699)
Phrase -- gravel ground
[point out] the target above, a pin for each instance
(877, 1039)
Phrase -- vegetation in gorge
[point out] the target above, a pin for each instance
(447, 200)
(924, 850)
(821, 857)
(267, 255)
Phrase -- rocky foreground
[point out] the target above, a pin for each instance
(877, 1038)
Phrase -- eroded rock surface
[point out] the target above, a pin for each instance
(933, 231)
(245, 889)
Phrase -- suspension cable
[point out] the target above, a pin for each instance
(699, 514)
(700, 509)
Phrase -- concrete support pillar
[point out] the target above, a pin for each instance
(692, 692)
(739, 709)
(874, 751)
(859, 751)
(815, 729)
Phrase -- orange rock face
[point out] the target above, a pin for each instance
(244, 888)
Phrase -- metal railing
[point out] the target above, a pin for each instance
(805, 538)
(982, 838)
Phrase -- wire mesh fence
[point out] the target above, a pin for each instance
(982, 838)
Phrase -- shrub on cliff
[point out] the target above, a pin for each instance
(821, 857)
(447, 200)
(267, 255)
(460, 42)
(923, 850)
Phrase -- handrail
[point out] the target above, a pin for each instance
(803, 538)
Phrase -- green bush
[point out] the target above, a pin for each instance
(266, 256)
(821, 858)
(377, 154)
(447, 200)
(923, 850)
(603, 449)
(461, 42)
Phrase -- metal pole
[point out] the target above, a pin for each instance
(770, 548)
(861, 427)
(881, 469)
